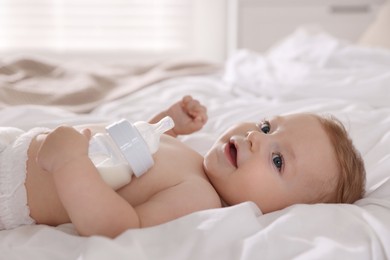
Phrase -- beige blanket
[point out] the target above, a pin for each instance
(80, 87)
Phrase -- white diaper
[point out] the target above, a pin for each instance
(14, 144)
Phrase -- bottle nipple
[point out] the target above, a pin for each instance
(151, 132)
(163, 125)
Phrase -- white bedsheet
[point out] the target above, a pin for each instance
(349, 82)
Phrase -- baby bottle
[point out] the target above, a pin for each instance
(125, 149)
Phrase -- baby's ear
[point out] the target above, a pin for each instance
(87, 133)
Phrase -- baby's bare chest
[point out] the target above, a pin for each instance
(174, 163)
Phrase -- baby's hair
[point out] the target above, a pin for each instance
(350, 185)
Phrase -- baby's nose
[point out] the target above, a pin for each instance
(255, 138)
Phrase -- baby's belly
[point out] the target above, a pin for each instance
(44, 203)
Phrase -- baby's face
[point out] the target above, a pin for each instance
(274, 163)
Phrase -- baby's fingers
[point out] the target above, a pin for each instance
(87, 133)
(194, 108)
(199, 113)
(200, 116)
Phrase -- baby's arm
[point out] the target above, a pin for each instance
(93, 207)
(188, 114)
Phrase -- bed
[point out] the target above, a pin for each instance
(312, 72)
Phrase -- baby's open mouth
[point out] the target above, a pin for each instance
(232, 153)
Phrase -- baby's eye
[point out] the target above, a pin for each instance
(265, 127)
(277, 160)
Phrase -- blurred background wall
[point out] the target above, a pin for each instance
(149, 29)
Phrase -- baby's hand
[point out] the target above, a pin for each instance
(188, 114)
(61, 146)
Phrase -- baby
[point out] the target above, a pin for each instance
(299, 158)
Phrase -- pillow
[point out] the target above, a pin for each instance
(378, 33)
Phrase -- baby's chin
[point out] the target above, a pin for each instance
(206, 168)
(207, 159)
